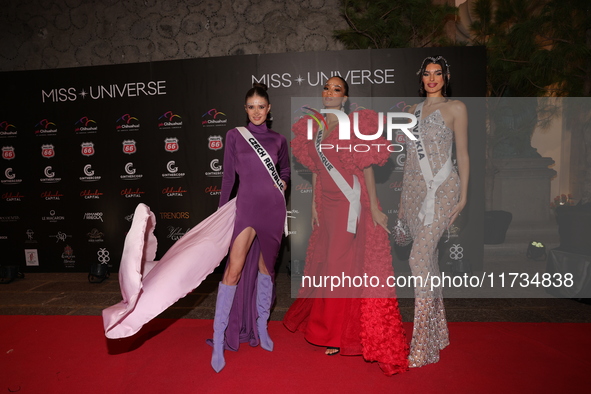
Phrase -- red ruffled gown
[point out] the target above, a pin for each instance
(367, 323)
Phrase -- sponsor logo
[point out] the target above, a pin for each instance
(304, 187)
(102, 255)
(396, 186)
(172, 192)
(7, 130)
(53, 217)
(127, 123)
(32, 257)
(174, 215)
(30, 237)
(169, 120)
(93, 216)
(84, 125)
(129, 147)
(60, 236)
(216, 169)
(175, 233)
(129, 218)
(68, 257)
(8, 153)
(319, 78)
(51, 196)
(49, 176)
(131, 193)
(400, 159)
(171, 145)
(45, 127)
(213, 190)
(87, 149)
(89, 175)
(8, 219)
(95, 236)
(10, 196)
(90, 194)
(47, 151)
(130, 173)
(215, 142)
(213, 117)
(11, 178)
(173, 171)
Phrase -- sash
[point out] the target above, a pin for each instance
(353, 194)
(267, 162)
(427, 212)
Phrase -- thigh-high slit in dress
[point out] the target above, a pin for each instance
(260, 205)
(148, 287)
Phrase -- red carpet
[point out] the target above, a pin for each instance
(69, 354)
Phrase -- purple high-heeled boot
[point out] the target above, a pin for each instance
(220, 323)
(264, 298)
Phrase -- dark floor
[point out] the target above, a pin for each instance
(72, 294)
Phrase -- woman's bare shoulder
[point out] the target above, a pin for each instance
(456, 106)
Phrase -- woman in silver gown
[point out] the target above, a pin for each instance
(433, 196)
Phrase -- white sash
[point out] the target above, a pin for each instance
(353, 194)
(427, 211)
(267, 162)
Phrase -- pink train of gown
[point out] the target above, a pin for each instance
(149, 287)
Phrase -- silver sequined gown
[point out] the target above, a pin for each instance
(430, 333)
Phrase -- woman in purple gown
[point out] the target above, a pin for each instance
(245, 293)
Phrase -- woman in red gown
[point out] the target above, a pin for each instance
(361, 320)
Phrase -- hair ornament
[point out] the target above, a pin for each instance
(433, 60)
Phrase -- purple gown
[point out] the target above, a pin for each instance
(260, 205)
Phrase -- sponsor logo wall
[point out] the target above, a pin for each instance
(82, 147)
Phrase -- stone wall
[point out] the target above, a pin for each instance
(43, 34)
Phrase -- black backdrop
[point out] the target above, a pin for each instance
(82, 147)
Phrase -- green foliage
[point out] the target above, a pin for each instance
(395, 24)
(535, 47)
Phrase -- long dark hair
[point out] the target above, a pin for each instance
(259, 89)
(446, 91)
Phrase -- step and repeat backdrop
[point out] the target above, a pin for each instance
(82, 147)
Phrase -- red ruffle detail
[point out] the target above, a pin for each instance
(375, 327)
(299, 144)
